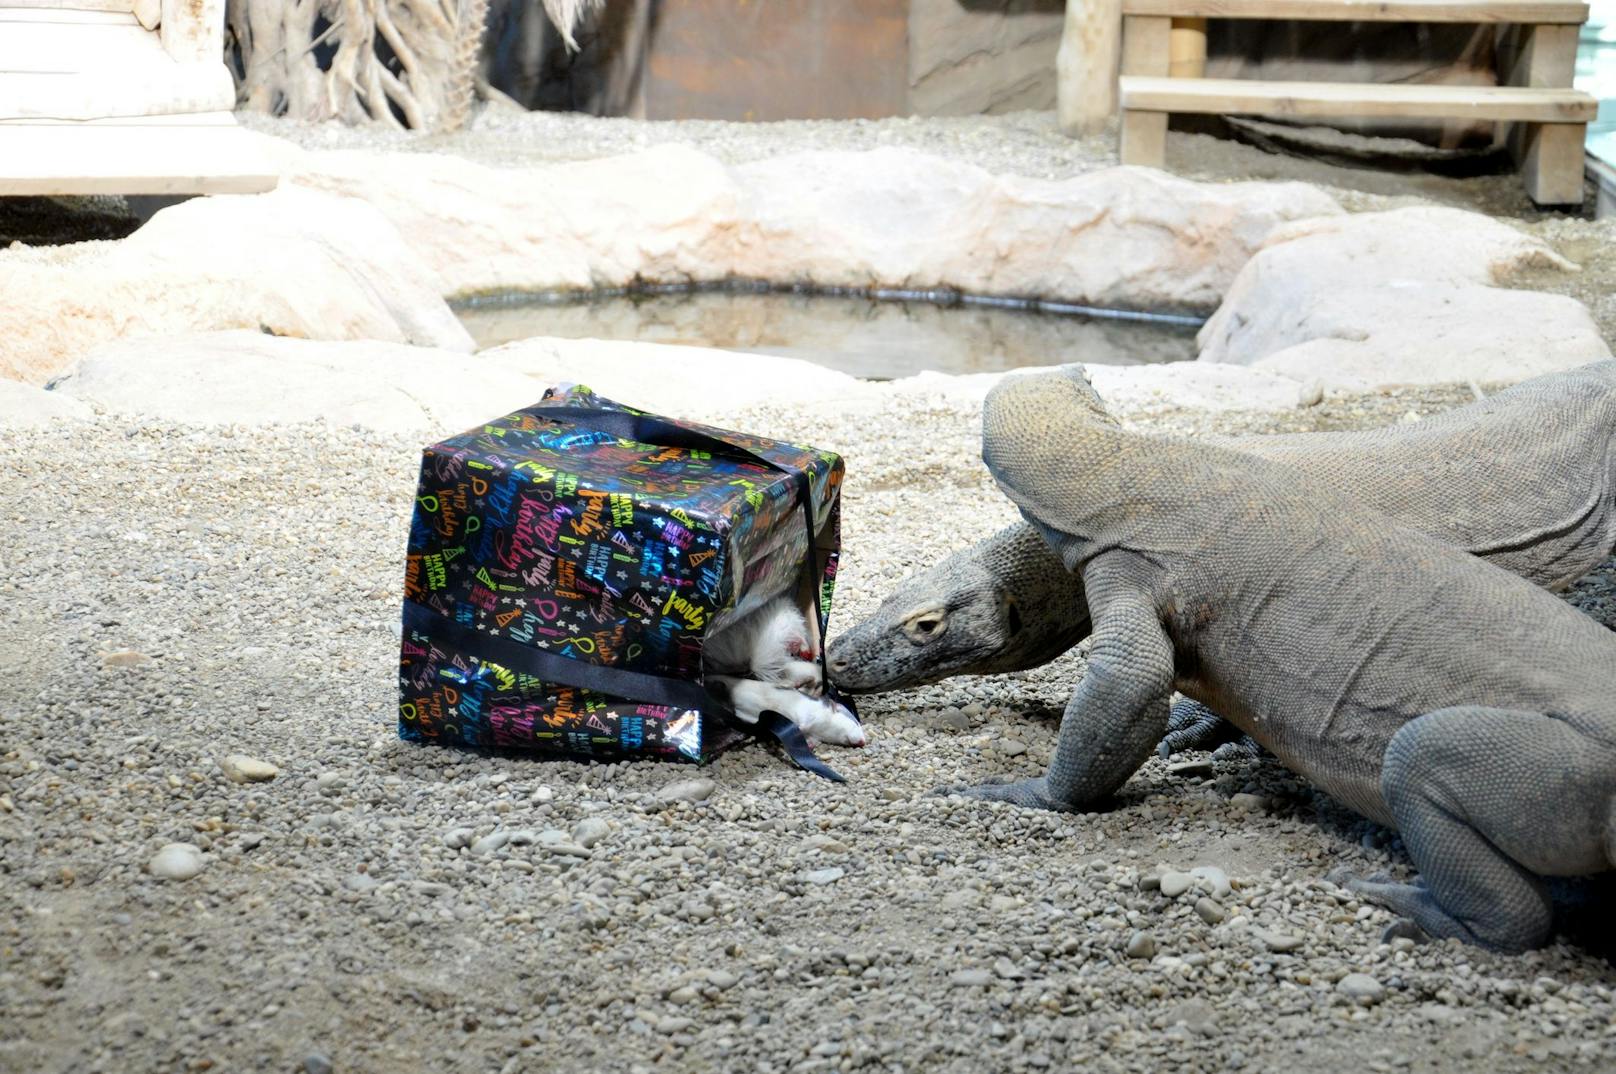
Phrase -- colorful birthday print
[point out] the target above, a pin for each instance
(602, 550)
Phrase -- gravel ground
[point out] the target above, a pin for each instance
(176, 596)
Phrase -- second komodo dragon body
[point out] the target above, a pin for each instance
(1525, 478)
(1427, 689)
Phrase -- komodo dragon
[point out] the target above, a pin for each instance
(1523, 478)
(1425, 688)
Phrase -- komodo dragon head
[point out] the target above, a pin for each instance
(1007, 603)
(1003, 604)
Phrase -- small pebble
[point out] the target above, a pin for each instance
(723, 980)
(668, 1025)
(1361, 988)
(1252, 803)
(125, 658)
(568, 850)
(1008, 970)
(1214, 879)
(690, 790)
(315, 1063)
(1191, 770)
(490, 842)
(953, 720)
(1174, 884)
(455, 838)
(361, 883)
(330, 783)
(977, 978)
(1141, 945)
(825, 876)
(176, 861)
(829, 844)
(589, 831)
(1012, 748)
(1280, 942)
(1209, 911)
(239, 768)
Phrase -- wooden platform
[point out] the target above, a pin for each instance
(1317, 99)
(1163, 57)
(91, 102)
(1533, 12)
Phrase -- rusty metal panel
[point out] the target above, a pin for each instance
(777, 59)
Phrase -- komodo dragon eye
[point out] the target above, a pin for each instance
(926, 625)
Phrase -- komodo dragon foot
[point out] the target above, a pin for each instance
(1193, 726)
(1026, 793)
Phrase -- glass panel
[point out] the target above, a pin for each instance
(1596, 73)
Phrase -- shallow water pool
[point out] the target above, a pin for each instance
(876, 338)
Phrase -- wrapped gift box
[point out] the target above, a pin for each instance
(611, 556)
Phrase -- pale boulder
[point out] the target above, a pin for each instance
(292, 262)
(666, 214)
(24, 406)
(1360, 278)
(1361, 339)
(248, 378)
(882, 218)
(1121, 237)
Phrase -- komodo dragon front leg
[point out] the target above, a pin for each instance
(1118, 712)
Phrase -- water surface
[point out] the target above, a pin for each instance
(868, 337)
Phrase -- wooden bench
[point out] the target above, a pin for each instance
(1548, 118)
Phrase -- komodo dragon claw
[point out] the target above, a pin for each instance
(1386, 891)
(1193, 726)
(1026, 793)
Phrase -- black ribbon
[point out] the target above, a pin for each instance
(620, 682)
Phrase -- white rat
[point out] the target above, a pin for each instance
(767, 662)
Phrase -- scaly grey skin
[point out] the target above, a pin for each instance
(1523, 478)
(1429, 690)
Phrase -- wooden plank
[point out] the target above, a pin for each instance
(1314, 99)
(1540, 56)
(1531, 11)
(1086, 66)
(129, 160)
(1144, 139)
(1551, 164)
(1146, 52)
(1546, 57)
(182, 87)
(1146, 45)
(1186, 49)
